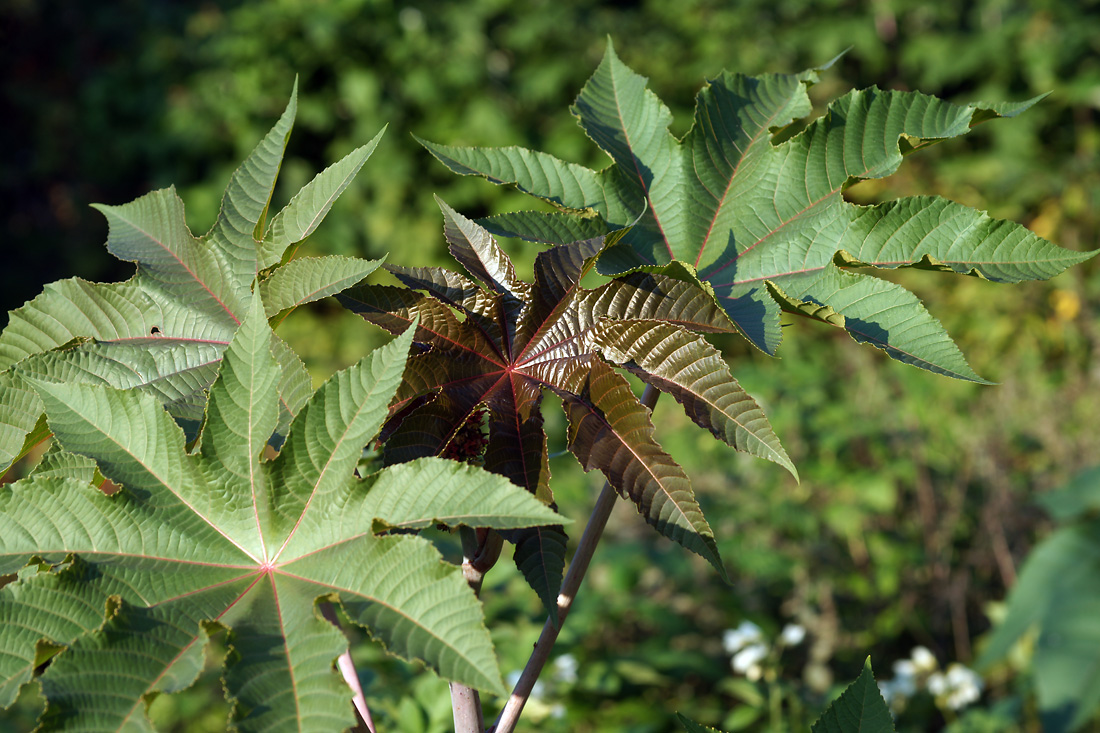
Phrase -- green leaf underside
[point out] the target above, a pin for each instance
(1057, 595)
(165, 329)
(312, 278)
(133, 583)
(755, 217)
(20, 414)
(301, 217)
(62, 464)
(859, 709)
(492, 341)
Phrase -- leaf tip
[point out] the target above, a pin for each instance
(829, 64)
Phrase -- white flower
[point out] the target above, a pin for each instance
(894, 700)
(733, 640)
(792, 635)
(905, 686)
(959, 687)
(898, 691)
(565, 668)
(905, 668)
(937, 683)
(747, 661)
(923, 660)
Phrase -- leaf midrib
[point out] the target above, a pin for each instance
(363, 406)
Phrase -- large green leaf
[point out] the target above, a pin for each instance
(131, 585)
(766, 224)
(1058, 596)
(494, 342)
(164, 330)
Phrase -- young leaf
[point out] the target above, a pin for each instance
(766, 225)
(131, 585)
(516, 339)
(165, 329)
(859, 709)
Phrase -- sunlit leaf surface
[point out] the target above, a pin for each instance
(131, 585)
(164, 330)
(765, 224)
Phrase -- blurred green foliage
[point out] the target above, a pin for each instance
(914, 511)
(1050, 621)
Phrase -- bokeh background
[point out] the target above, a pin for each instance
(917, 501)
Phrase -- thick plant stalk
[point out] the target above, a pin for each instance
(351, 676)
(506, 723)
(480, 550)
(466, 705)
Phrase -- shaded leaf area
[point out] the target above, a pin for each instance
(130, 586)
(1057, 595)
(164, 330)
(692, 727)
(766, 225)
(497, 342)
(859, 709)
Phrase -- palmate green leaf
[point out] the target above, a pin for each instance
(1058, 596)
(764, 224)
(131, 585)
(493, 342)
(859, 709)
(165, 329)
